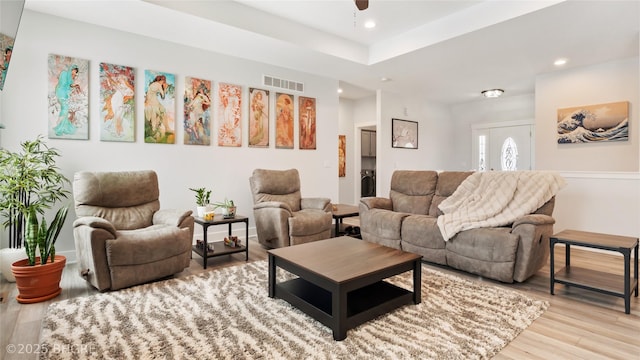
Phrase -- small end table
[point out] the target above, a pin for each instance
(341, 211)
(602, 282)
(219, 247)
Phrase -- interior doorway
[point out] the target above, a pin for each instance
(365, 152)
(503, 146)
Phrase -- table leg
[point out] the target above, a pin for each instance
(246, 236)
(339, 314)
(635, 269)
(337, 233)
(205, 250)
(627, 281)
(417, 282)
(272, 276)
(552, 245)
(567, 256)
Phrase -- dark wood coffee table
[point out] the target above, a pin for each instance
(340, 280)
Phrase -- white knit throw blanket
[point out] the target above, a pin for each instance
(496, 198)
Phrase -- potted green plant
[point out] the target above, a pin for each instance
(203, 197)
(29, 179)
(38, 277)
(228, 208)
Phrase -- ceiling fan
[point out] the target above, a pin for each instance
(362, 4)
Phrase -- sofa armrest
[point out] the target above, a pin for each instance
(95, 223)
(170, 217)
(534, 219)
(316, 203)
(534, 231)
(272, 205)
(376, 203)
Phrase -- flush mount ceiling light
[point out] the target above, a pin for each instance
(560, 62)
(370, 24)
(493, 93)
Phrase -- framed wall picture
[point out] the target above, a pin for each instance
(258, 117)
(307, 122)
(284, 121)
(594, 123)
(197, 114)
(342, 155)
(404, 134)
(117, 103)
(159, 107)
(229, 115)
(68, 97)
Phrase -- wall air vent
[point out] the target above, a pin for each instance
(268, 80)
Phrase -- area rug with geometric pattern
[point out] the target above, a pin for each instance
(227, 314)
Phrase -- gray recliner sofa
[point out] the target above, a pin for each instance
(407, 220)
(122, 236)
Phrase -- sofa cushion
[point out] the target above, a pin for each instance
(489, 252)
(448, 182)
(412, 191)
(420, 235)
(147, 245)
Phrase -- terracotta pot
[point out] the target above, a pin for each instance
(40, 282)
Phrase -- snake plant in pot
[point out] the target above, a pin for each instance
(30, 184)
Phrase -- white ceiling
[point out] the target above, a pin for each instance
(447, 51)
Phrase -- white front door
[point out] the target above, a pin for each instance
(505, 147)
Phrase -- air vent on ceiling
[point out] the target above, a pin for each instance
(268, 80)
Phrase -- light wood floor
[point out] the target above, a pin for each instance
(579, 324)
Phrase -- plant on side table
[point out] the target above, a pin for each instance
(30, 183)
(228, 208)
(203, 197)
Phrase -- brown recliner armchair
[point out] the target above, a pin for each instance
(122, 237)
(282, 216)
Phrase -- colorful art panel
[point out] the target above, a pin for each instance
(594, 123)
(342, 155)
(6, 48)
(284, 121)
(197, 114)
(159, 107)
(68, 97)
(117, 103)
(229, 115)
(307, 122)
(258, 118)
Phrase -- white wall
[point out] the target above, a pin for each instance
(435, 132)
(226, 170)
(604, 83)
(508, 108)
(603, 182)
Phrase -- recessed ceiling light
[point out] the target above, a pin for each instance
(370, 24)
(385, 79)
(560, 62)
(493, 93)
(339, 90)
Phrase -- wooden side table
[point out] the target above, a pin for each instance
(219, 247)
(341, 211)
(602, 282)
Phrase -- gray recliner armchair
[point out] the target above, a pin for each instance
(282, 216)
(122, 237)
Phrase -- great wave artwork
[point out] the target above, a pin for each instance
(593, 123)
